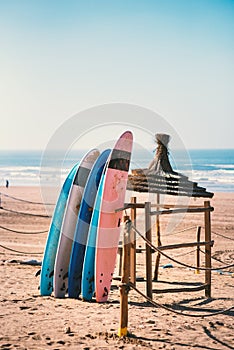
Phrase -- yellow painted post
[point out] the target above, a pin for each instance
(124, 288)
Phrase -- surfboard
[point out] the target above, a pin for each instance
(47, 270)
(69, 224)
(87, 283)
(82, 227)
(114, 189)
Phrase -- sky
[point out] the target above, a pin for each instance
(173, 57)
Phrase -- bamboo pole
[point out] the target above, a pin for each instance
(182, 210)
(207, 250)
(124, 288)
(133, 244)
(185, 245)
(120, 251)
(148, 250)
(165, 206)
(158, 238)
(198, 234)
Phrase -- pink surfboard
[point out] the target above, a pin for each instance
(114, 189)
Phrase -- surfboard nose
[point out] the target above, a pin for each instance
(125, 141)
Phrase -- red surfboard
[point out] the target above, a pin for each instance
(108, 233)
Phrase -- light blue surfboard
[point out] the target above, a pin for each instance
(82, 227)
(87, 283)
(78, 175)
(47, 269)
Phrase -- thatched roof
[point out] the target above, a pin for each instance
(159, 177)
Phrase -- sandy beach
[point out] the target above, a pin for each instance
(29, 321)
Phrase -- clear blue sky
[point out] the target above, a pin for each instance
(60, 57)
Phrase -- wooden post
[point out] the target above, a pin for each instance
(148, 250)
(159, 243)
(207, 250)
(133, 244)
(120, 251)
(124, 288)
(198, 234)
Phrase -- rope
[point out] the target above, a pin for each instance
(212, 257)
(154, 303)
(17, 251)
(24, 200)
(186, 229)
(219, 234)
(183, 254)
(176, 261)
(22, 232)
(189, 228)
(23, 213)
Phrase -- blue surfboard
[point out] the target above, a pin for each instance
(82, 227)
(79, 175)
(47, 269)
(87, 284)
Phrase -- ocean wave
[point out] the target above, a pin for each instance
(222, 166)
(214, 177)
(213, 180)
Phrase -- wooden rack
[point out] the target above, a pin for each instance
(128, 250)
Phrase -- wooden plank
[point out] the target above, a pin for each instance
(133, 244)
(186, 245)
(148, 250)
(165, 206)
(153, 205)
(198, 235)
(173, 206)
(131, 205)
(207, 250)
(120, 252)
(158, 242)
(182, 210)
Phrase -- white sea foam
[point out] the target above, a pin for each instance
(26, 171)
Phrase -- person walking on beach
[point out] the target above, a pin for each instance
(7, 183)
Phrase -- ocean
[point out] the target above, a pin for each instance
(212, 169)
